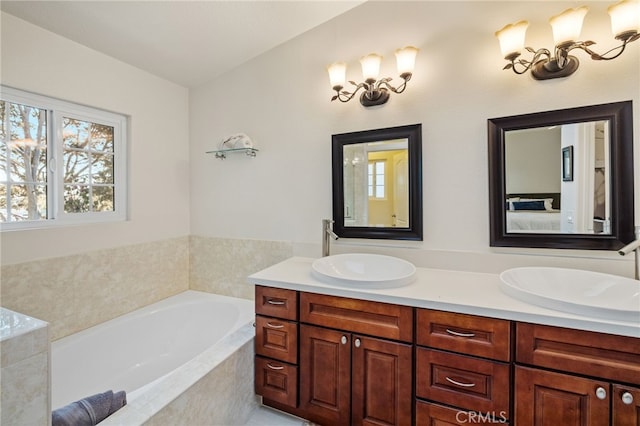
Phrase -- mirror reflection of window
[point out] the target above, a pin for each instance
(376, 173)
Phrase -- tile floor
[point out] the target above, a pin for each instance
(265, 416)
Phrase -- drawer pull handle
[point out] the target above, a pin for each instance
(275, 367)
(455, 382)
(627, 398)
(275, 302)
(458, 334)
(270, 325)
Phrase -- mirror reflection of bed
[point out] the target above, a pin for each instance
(533, 212)
(557, 180)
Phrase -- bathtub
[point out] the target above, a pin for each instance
(160, 355)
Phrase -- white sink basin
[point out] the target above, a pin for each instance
(575, 291)
(364, 270)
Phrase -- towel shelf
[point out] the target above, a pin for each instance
(222, 153)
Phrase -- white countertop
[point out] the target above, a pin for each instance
(454, 291)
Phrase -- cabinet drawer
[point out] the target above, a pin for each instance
(277, 339)
(277, 302)
(434, 414)
(584, 352)
(470, 383)
(468, 334)
(277, 381)
(361, 316)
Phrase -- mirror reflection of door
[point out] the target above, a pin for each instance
(401, 189)
(557, 179)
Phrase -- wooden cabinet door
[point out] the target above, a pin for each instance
(325, 375)
(380, 382)
(546, 398)
(626, 405)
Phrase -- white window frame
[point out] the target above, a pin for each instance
(56, 111)
(374, 176)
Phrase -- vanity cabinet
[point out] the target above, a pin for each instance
(566, 376)
(276, 345)
(335, 360)
(351, 371)
(343, 361)
(462, 361)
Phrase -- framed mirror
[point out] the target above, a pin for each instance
(377, 183)
(562, 179)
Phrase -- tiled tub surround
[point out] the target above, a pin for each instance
(221, 266)
(133, 350)
(76, 292)
(24, 375)
(215, 386)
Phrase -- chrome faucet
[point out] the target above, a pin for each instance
(635, 247)
(327, 234)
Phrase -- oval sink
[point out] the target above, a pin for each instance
(575, 291)
(364, 270)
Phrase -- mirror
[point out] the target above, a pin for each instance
(562, 179)
(377, 183)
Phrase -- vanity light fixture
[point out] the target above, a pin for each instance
(374, 92)
(625, 25)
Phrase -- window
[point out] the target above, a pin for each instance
(60, 163)
(376, 179)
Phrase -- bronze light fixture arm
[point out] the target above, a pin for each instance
(524, 64)
(374, 92)
(603, 57)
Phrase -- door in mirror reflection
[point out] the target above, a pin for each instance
(557, 179)
(376, 191)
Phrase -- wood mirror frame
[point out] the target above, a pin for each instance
(620, 118)
(413, 135)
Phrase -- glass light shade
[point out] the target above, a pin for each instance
(406, 59)
(511, 38)
(567, 26)
(625, 17)
(337, 74)
(371, 66)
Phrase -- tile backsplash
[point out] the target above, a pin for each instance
(76, 292)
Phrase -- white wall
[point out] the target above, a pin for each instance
(281, 99)
(36, 60)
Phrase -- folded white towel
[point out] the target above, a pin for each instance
(237, 141)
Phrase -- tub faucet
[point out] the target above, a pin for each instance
(635, 247)
(327, 234)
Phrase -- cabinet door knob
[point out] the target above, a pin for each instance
(627, 398)
(357, 343)
(343, 340)
(601, 393)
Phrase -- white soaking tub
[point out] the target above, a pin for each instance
(155, 354)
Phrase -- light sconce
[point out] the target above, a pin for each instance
(374, 92)
(625, 25)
